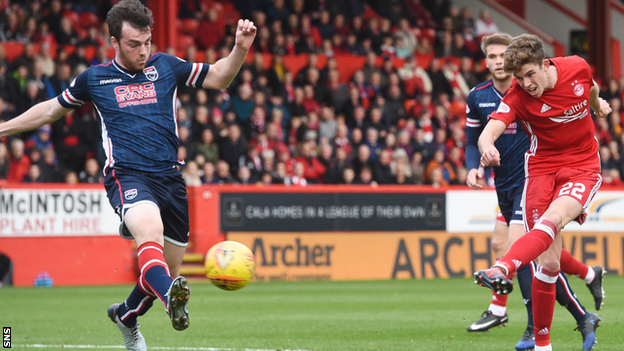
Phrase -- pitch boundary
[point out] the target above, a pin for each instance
(43, 346)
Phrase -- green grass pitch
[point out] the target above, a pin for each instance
(366, 315)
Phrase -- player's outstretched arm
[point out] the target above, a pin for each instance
(42, 113)
(489, 154)
(223, 71)
(475, 179)
(599, 105)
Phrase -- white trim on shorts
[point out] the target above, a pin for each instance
(175, 242)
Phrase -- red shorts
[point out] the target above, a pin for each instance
(500, 218)
(541, 191)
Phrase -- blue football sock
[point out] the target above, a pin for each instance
(135, 305)
(567, 299)
(525, 281)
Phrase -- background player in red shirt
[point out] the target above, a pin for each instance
(551, 97)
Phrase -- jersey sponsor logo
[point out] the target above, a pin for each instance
(578, 88)
(503, 108)
(511, 129)
(487, 104)
(545, 108)
(136, 94)
(109, 81)
(151, 73)
(577, 111)
(131, 194)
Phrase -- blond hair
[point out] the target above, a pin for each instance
(523, 49)
(495, 39)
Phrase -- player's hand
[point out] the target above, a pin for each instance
(475, 179)
(604, 110)
(245, 34)
(491, 157)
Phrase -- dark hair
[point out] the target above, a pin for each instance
(522, 50)
(131, 11)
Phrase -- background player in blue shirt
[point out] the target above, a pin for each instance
(135, 99)
(509, 180)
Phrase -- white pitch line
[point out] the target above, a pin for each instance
(42, 346)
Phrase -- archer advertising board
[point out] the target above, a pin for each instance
(472, 211)
(399, 255)
(56, 212)
(317, 212)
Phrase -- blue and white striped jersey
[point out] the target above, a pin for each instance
(512, 144)
(136, 110)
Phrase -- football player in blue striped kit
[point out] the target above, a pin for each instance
(509, 180)
(135, 99)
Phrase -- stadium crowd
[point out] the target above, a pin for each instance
(395, 121)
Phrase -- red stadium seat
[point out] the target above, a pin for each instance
(74, 18)
(89, 19)
(13, 49)
(188, 26)
(184, 41)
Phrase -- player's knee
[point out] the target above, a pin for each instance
(499, 247)
(152, 232)
(550, 262)
(555, 218)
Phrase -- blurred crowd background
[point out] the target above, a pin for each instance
(379, 100)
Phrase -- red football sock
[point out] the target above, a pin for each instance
(572, 266)
(529, 246)
(155, 276)
(498, 306)
(499, 300)
(544, 296)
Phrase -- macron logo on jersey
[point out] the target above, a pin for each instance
(109, 81)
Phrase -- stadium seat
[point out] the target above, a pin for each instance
(13, 49)
(89, 19)
(188, 26)
(74, 17)
(184, 41)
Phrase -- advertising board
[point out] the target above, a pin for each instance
(399, 255)
(277, 212)
(56, 212)
(469, 211)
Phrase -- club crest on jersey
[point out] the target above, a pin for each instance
(151, 73)
(578, 88)
(131, 194)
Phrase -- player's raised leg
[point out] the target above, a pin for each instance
(496, 314)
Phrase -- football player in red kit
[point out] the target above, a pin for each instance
(552, 99)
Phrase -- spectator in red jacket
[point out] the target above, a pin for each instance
(18, 162)
(210, 31)
(313, 168)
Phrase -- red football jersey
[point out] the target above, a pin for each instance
(559, 122)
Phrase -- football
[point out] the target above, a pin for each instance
(230, 265)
